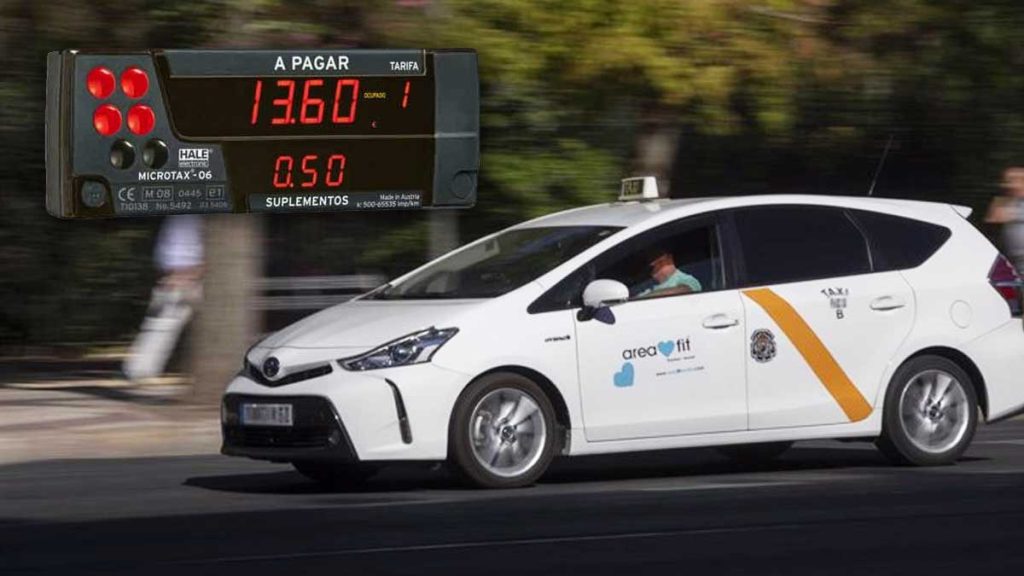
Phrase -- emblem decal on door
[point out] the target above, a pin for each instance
(762, 345)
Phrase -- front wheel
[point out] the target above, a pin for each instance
(503, 431)
(931, 412)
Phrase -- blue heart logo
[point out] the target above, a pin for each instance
(624, 378)
(666, 347)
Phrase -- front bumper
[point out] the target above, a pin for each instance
(317, 432)
(383, 415)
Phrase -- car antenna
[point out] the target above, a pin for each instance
(881, 164)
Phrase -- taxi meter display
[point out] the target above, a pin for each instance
(192, 131)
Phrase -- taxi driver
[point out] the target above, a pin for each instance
(665, 279)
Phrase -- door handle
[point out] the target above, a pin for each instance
(719, 321)
(883, 303)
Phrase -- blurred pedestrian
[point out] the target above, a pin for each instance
(179, 258)
(1008, 210)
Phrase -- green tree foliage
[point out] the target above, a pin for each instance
(757, 96)
(567, 87)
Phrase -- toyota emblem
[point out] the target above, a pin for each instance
(271, 366)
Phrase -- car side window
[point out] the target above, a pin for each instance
(794, 243)
(899, 243)
(665, 262)
(673, 259)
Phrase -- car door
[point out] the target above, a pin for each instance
(822, 324)
(668, 364)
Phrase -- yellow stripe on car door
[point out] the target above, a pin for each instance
(814, 352)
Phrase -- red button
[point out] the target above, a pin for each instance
(134, 82)
(141, 119)
(106, 120)
(100, 82)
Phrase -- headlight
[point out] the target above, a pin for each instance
(415, 348)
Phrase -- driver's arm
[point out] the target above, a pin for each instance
(674, 291)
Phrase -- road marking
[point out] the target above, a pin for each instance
(488, 544)
(717, 486)
(814, 352)
(392, 503)
(590, 538)
(1015, 442)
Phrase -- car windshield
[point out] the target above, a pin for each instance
(499, 265)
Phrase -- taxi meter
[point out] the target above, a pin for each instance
(198, 131)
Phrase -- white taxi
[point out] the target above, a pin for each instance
(746, 323)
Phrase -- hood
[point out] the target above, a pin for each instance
(367, 323)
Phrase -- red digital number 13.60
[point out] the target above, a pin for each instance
(310, 108)
(311, 169)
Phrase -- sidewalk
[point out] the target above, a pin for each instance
(98, 416)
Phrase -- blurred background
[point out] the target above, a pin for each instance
(715, 97)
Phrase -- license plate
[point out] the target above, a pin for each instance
(267, 414)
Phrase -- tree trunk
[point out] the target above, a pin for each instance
(443, 232)
(226, 322)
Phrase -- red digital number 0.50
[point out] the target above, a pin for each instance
(311, 170)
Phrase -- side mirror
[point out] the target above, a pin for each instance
(604, 293)
(598, 297)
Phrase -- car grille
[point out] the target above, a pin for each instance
(315, 427)
(251, 372)
(277, 437)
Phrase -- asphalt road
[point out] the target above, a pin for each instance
(824, 508)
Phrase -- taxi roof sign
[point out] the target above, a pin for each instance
(639, 188)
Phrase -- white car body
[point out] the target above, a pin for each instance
(708, 390)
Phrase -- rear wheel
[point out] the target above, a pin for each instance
(335, 474)
(503, 431)
(754, 453)
(931, 412)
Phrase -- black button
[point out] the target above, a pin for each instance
(154, 153)
(94, 193)
(122, 154)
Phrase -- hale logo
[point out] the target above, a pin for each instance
(193, 157)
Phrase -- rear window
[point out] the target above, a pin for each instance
(795, 243)
(900, 243)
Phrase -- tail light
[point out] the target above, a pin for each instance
(1004, 278)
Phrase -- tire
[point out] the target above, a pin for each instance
(491, 450)
(754, 453)
(921, 427)
(335, 474)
